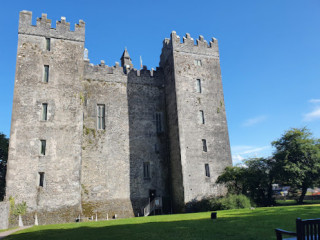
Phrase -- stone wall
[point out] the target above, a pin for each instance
(105, 152)
(176, 180)
(147, 143)
(4, 215)
(131, 99)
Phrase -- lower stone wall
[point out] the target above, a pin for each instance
(62, 215)
(4, 215)
(122, 208)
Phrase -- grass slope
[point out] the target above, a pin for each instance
(231, 224)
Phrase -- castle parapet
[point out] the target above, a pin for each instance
(200, 46)
(102, 72)
(43, 27)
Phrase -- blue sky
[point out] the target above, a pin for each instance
(270, 54)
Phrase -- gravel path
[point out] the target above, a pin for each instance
(7, 233)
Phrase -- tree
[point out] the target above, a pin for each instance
(260, 176)
(234, 179)
(254, 180)
(297, 158)
(4, 146)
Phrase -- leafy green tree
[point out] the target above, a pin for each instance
(254, 179)
(260, 176)
(4, 146)
(234, 178)
(297, 158)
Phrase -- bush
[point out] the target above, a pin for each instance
(221, 203)
(230, 202)
(17, 209)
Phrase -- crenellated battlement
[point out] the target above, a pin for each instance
(188, 44)
(116, 73)
(43, 27)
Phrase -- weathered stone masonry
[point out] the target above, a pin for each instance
(97, 139)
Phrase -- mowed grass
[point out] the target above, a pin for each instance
(246, 224)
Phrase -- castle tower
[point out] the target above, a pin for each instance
(126, 60)
(198, 133)
(46, 130)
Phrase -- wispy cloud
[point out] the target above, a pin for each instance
(252, 121)
(314, 100)
(315, 113)
(237, 159)
(241, 152)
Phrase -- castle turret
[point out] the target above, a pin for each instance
(47, 119)
(126, 60)
(198, 132)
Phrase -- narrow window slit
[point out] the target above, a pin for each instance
(206, 166)
(43, 147)
(46, 74)
(44, 112)
(204, 145)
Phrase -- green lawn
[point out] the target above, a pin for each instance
(246, 224)
(293, 202)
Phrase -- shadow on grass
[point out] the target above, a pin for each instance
(250, 225)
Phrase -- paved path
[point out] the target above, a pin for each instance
(7, 233)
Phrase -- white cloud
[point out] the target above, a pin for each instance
(314, 100)
(315, 113)
(255, 150)
(241, 152)
(240, 148)
(252, 121)
(237, 159)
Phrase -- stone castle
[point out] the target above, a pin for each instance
(113, 140)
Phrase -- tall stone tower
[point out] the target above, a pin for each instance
(198, 133)
(47, 119)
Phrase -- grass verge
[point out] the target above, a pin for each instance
(246, 224)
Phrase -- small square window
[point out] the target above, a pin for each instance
(204, 145)
(146, 170)
(48, 44)
(100, 116)
(44, 116)
(43, 147)
(46, 73)
(206, 166)
(197, 62)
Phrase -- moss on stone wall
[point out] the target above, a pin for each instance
(120, 207)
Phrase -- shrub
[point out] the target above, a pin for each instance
(221, 203)
(17, 209)
(231, 202)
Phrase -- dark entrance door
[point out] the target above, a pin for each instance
(152, 194)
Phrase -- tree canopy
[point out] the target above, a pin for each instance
(254, 179)
(297, 157)
(295, 163)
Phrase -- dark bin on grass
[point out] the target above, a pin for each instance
(214, 215)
